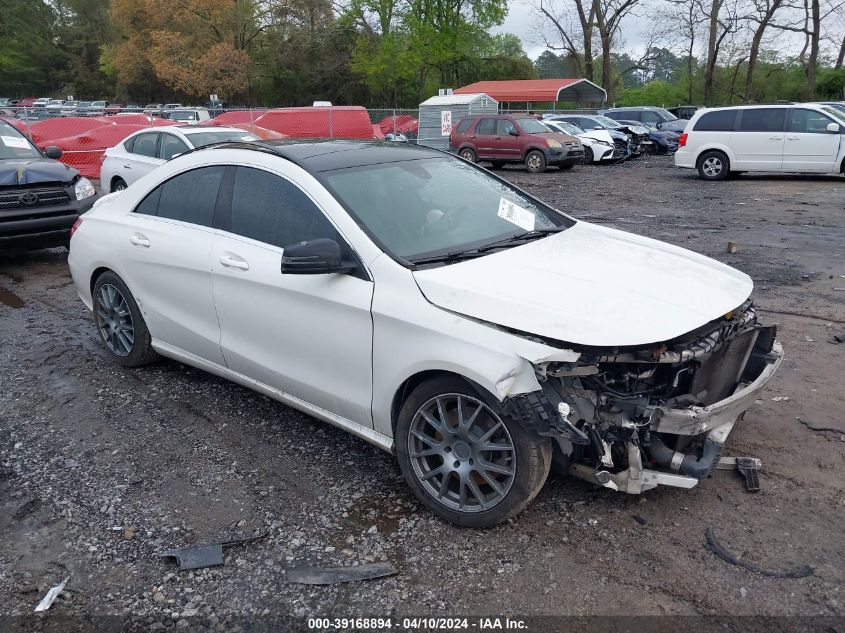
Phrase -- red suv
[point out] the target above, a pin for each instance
(507, 138)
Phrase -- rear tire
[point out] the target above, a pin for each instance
(468, 154)
(535, 162)
(440, 434)
(713, 165)
(120, 324)
(118, 184)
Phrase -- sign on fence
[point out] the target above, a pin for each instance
(445, 123)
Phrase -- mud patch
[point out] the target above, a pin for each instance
(9, 298)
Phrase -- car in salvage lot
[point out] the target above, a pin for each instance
(501, 139)
(40, 198)
(473, 331)
(145, 150)
(801, 137)
(595, 150)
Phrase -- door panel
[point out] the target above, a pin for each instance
(485, 138)
(758, 141)
(506, 145)
(307, 335)
(166, 261)
(809, 146)
(142, 159)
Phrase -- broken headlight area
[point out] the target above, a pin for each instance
(635, 418)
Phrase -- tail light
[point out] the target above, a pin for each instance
(76, 225)
(682, 141)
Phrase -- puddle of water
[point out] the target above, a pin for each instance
(9, 298)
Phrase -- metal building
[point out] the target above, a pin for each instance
(437, 115)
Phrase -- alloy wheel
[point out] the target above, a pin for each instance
(114, 320)
(462, 453)
(712, 166)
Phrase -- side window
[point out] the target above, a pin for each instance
(762, 120)
(188, 197)
(145, 145)
(270, 209)
(648, 116)
(170, 146)
(587, 124)
(808, 121)
(486, 126)
(718, 121)
(463, 126)
(504, 127)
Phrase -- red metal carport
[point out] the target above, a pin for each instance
(580, 91)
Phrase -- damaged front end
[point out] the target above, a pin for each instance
(631, 419)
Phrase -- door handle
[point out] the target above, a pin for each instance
(793, 138)
(472, 138)
(139, 240)
(775, 138)
(233, 261)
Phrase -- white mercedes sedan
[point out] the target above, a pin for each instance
(139, 153)
(434, 310)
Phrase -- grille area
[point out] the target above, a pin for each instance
(18, 198)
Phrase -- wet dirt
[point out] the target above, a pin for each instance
(91, 452)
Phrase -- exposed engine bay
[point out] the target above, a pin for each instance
(632, 419)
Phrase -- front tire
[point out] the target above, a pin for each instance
(713, 165)
(535, 162)
(464, 458)
(120, 324)
(587, 158)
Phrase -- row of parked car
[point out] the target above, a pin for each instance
(564, 140)
(46, 108)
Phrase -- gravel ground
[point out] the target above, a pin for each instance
(103, 468)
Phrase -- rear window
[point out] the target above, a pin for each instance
(763, 120)
(719, 121)
(463, 126)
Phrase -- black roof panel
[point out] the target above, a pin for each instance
(326, 155)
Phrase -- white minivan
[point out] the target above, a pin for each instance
(787, 138)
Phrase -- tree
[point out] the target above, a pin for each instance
(560, 31)
(762, 14)
(609, 15)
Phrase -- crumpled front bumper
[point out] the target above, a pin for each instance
(716, 421)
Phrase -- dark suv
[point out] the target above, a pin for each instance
(40, 198)
(661, 118)
(507, 138)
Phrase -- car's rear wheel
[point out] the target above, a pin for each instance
(120, 324)
(468, 154)
(535, 162)
(587, 158)
(119, 184)
(713, 165)
(465, 459)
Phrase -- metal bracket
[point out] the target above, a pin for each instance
(748, 467)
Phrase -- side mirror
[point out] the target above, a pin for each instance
(833, 128)
(314, 257)
(513, 132)
(53, 152)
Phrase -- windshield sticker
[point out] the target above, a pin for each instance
(515, 214)
(14, 141)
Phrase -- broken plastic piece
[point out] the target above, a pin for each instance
(200, 556)
(745, 466)
(334, 575)
(48, 600)
(714, 546)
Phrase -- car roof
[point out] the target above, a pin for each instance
(327, 155)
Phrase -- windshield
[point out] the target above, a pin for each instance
(183, 116)
(14, 145)
(607, 122)
(420, 208)
(664, 115)
(201, 139)
(531, 126)
(569, 128)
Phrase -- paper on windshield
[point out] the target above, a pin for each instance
(14, 141)
(515, 214)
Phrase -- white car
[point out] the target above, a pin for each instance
(143, 151)
(802, 137)
(595, 151)
(431, 308)
(189, 116)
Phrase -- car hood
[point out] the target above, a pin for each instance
(30, 171)
(599, 135)
(592, 286)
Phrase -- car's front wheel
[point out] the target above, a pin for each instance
(119, 322)
(535, 162)
(713, 165)
(466, 459)
(587, 157)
